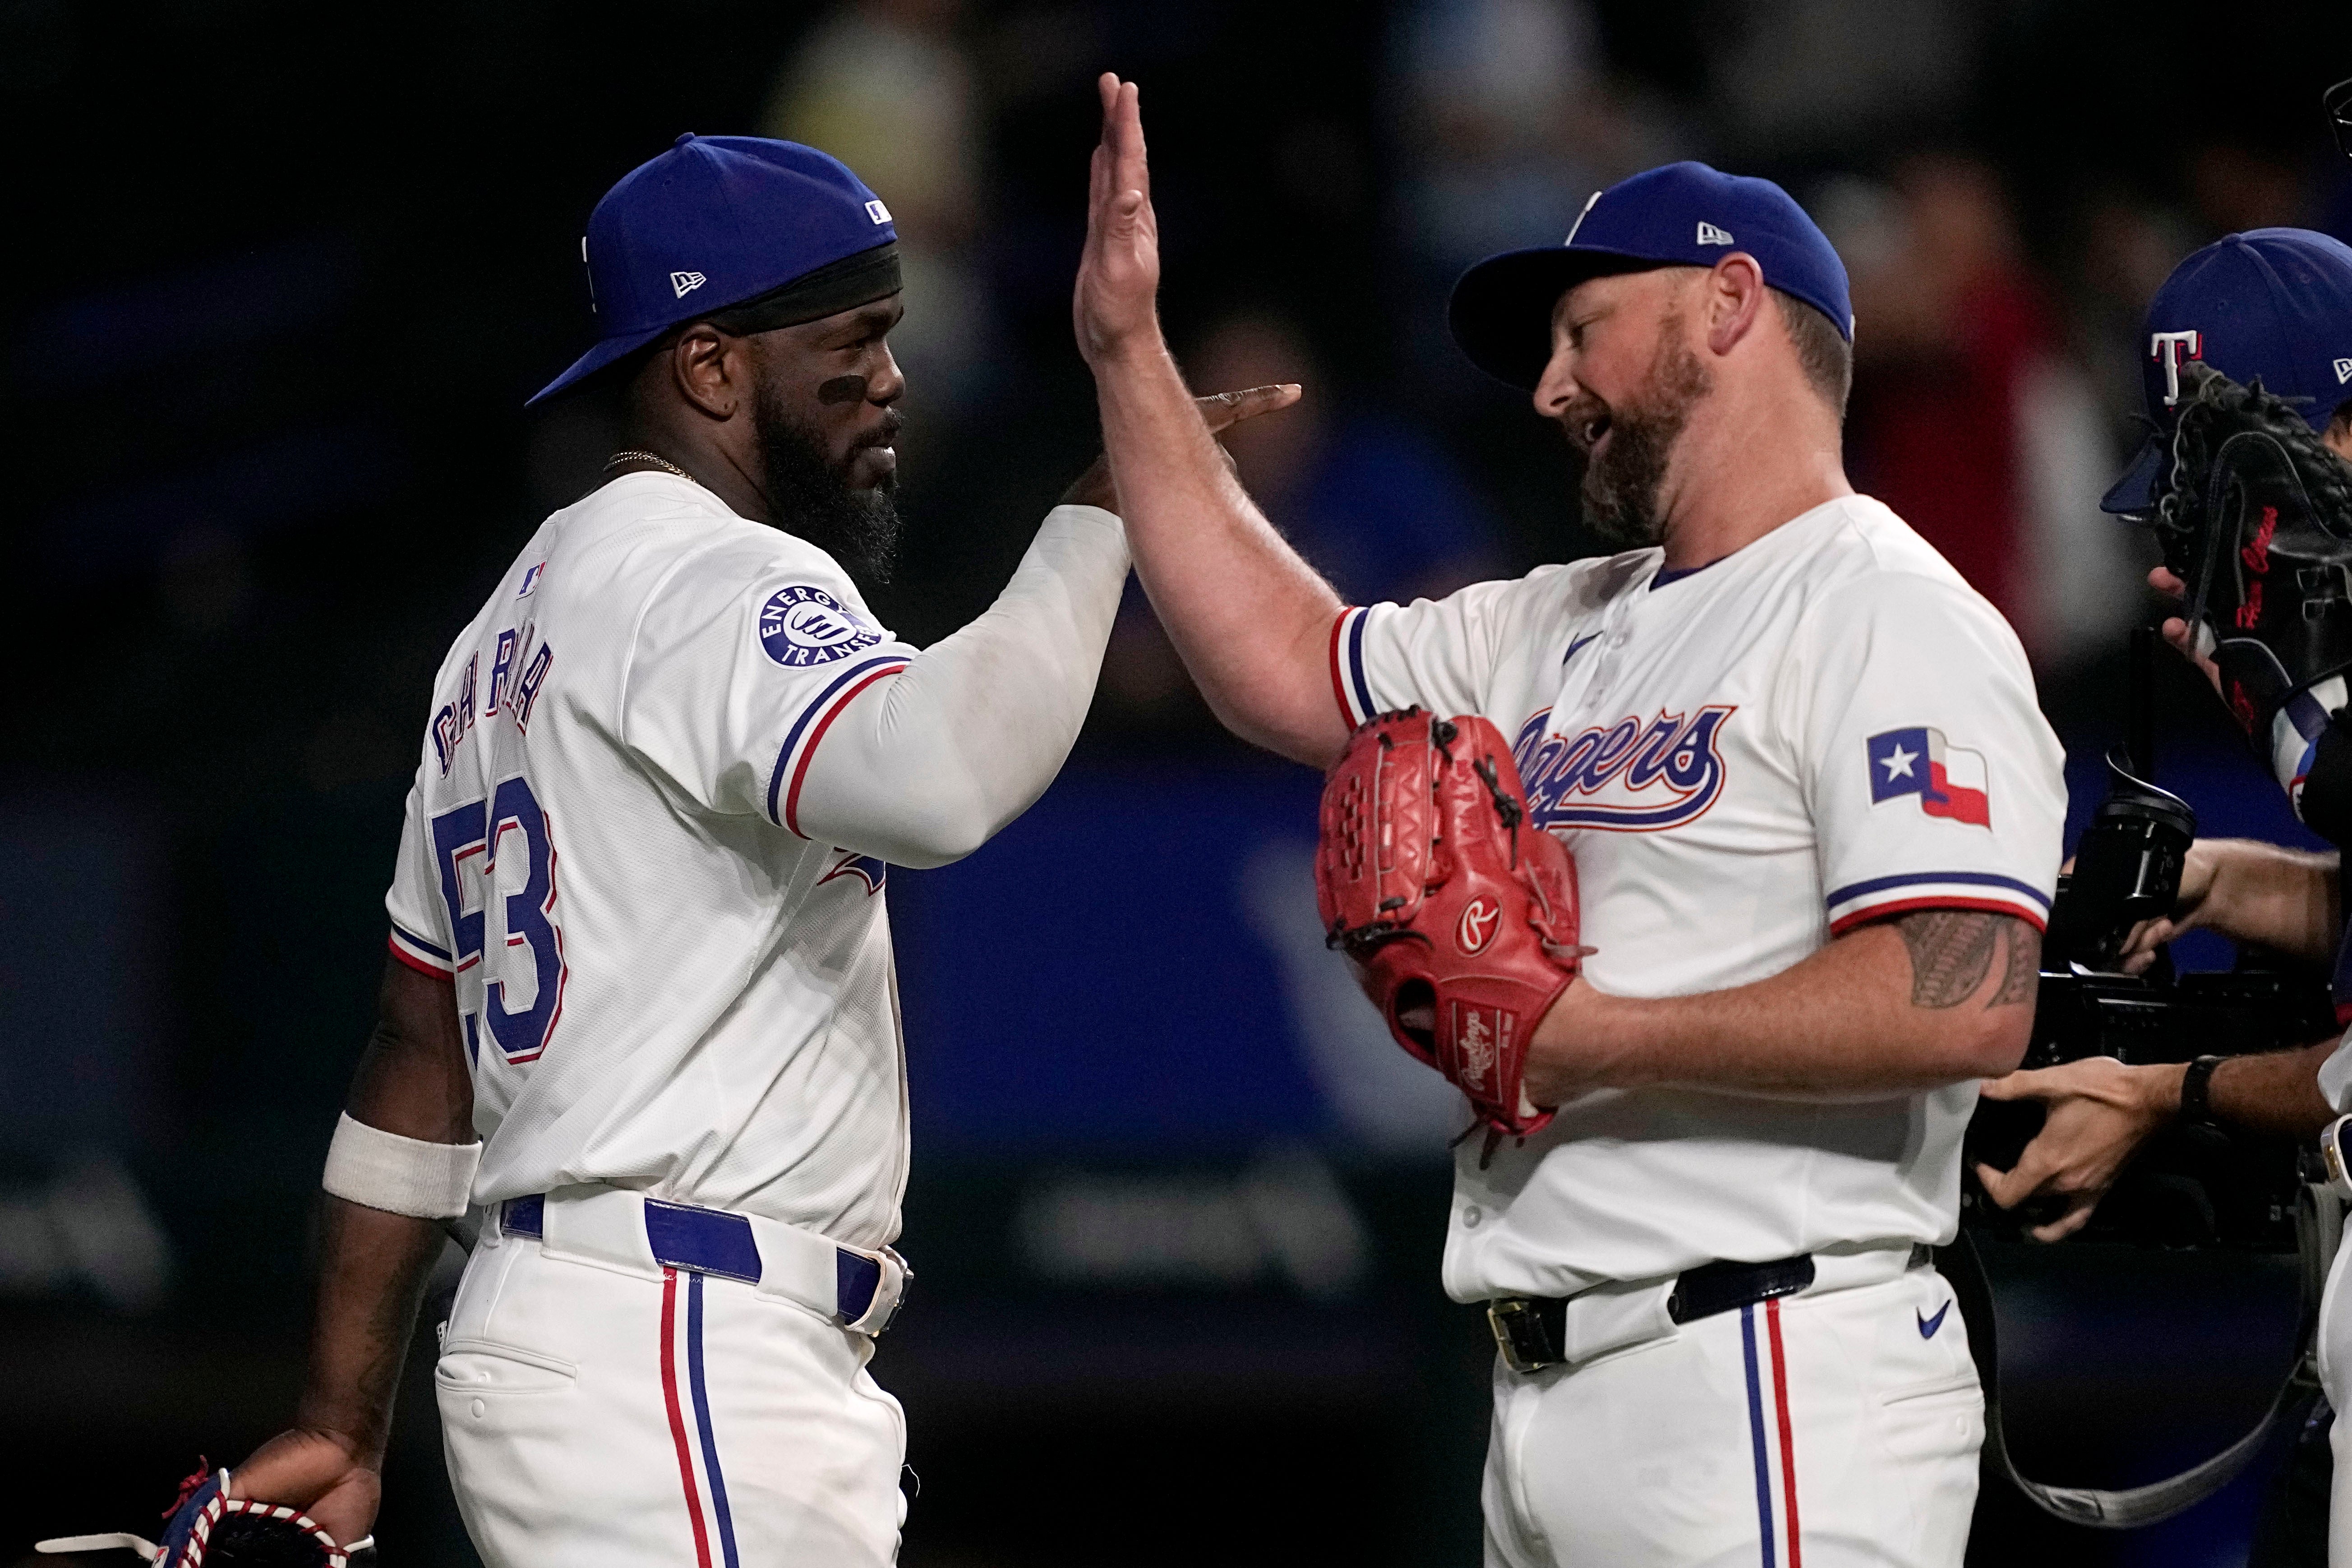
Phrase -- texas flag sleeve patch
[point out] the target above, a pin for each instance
(1948, 781)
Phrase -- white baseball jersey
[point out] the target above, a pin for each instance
(669, 978)
(1824, 728)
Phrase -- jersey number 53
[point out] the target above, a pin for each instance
(502, 848)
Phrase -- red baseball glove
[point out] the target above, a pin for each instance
(1449, 903)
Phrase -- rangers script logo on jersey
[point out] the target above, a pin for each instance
(1626, 777)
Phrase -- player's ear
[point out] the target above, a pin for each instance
(708, 369)
(1735, 300)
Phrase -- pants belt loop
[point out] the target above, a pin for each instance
(619, 1228)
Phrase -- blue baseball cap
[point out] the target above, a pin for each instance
(714, 222)
(1682, 214)
(2273, 303)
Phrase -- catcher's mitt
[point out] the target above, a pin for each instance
(1447, 902)
(206, 1526)
(2254, 515)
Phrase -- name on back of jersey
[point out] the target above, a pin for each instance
(800, 625)
(1633, 776)
(519, 667)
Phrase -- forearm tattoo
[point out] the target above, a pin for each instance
(1952, 951)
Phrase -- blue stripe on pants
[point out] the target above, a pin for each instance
(1755, 1432)
(711, 1443)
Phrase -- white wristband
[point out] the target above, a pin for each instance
(400, 1175)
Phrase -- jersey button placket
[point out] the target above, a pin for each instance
(1583, 688)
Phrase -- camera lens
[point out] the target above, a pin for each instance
(2126, 869)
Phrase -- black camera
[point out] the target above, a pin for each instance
(2187, 1185)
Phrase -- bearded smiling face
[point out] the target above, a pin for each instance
(1623, 450)
(817, 498)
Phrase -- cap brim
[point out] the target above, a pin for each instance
(1501, 309)
(2135, 491)
(594, 360)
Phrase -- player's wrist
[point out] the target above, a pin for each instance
(1579, 1045)
(346, 1420)
(2236, 872)
(1141, 375)
(2159, 1085)
(362, 1441)
(1093, 488)
(1130, 347)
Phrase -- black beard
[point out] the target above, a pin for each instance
(811, 498)
(1619, 489)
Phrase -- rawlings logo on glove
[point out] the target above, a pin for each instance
(1459, 916)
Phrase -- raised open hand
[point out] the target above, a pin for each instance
(1115, 306)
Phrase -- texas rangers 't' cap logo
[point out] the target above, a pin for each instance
(2168, 349)
(2270, 302)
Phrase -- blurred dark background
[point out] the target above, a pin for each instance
(280, 279)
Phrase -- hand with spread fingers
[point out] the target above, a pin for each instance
(2099, 1112)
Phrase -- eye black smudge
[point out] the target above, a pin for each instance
(843, 389)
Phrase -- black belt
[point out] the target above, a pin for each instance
(1532, 1330)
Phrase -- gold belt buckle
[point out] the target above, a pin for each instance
(1522, 1336)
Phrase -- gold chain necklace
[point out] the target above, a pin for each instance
(664, 464)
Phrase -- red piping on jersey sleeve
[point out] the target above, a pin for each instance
(391, 945)
(1845, 923)
(1339, 682)
(816, 738)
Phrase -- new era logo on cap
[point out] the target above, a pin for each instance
(2343, 370)
(1501, 309)
(877, 211)
(686, 282)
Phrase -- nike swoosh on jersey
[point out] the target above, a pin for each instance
(1927, 1326)
(1574, 646)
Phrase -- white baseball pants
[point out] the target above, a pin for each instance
(599, 1418)
(2336, 1378)
(1829, 1429)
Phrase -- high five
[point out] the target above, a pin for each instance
(1816, 813)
